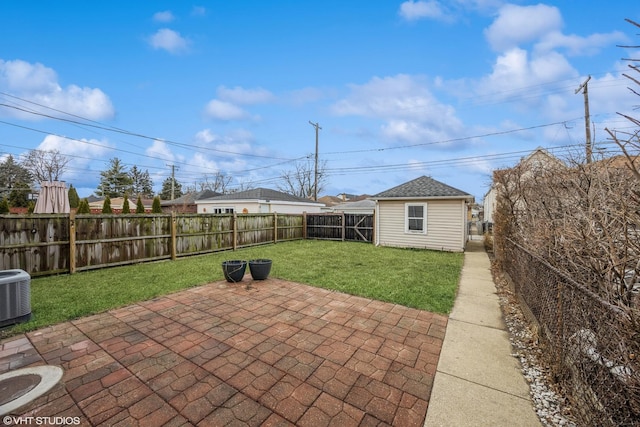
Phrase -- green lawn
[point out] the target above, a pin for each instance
(421, 279)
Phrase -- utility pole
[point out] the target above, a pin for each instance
(173, 181)
(587, 126)
(315, 181)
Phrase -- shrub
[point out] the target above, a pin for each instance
(139, 206)
(155, 207)
(125, 205)
(106, 206)
(83, 207)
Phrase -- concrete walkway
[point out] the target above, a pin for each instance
(478, 382)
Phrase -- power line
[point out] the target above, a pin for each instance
(447, 141)
(138, 135)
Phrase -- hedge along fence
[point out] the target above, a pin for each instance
(52, 243)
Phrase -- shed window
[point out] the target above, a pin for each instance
(416, 218)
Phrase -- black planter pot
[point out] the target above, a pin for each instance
(234, 270)
(260, 268)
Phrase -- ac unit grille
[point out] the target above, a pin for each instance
(15, 296)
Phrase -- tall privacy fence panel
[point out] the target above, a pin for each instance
(35, 244)
(592, 345)
(340, 226)
(56, 243)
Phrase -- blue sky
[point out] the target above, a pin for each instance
(400, 89)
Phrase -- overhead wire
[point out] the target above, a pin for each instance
(329, 171)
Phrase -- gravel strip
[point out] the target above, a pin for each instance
(552, 407)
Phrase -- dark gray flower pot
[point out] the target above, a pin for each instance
(260, 268)
(234, 270)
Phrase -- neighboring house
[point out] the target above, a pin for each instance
(257, 200)
(187, 202)
(489, 204)
(366, 206)
(330, 200)
(537, 162)
(422, 213)
(116, 205)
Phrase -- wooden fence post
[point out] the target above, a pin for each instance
(174, 233)
(275, 227)
(344, 225)
(304, 225)
(234, 225)
(72, 242)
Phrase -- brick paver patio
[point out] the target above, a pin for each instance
(274, 353)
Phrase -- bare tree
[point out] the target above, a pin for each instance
(218, 183)
(300, 182)
(46, 165)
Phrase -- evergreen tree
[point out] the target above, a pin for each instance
(4, 206)
(155, 207)
(115, 181)
(106, 206)
(83, 207)
(139, 206)
(13, 175)
(165, 193)
(141, 182)
(125, 205)
(74, 199)
(19, 196)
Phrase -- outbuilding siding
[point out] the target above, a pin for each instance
(446, 225)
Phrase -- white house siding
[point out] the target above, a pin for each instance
(446, 225)
(258, 207)
(489, 204)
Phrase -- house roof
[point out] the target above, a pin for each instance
(330, 200)
(358, 204)
(261, 194)
(190, 198)
(422, 188)
(541, 156)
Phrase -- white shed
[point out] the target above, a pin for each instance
(257, 200)
(422, 213)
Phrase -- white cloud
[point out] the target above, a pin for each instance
(164, 16)
(414, 10)
(226, 111)
(169, 40)
(80, 152)
(516, 69)
(161, 150)
(227, 104)
(75, 147)
(239, 95)
(407, 108)
(576, 45)
(205, 136)
(239, 141)
(39, 84)
(516, 25)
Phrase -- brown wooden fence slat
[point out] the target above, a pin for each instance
(57, 243)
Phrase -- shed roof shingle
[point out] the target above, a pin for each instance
(422, 187)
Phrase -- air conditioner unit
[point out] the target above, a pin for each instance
(15, 297)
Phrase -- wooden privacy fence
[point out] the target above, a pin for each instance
(340, 226)
(53, 243)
